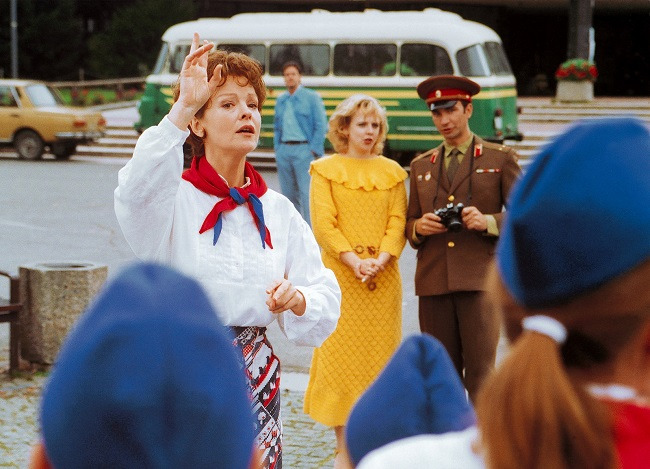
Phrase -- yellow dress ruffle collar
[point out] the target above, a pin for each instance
(354, 173)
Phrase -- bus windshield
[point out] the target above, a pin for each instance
(497, 59)
(483, 60)
(162, 58)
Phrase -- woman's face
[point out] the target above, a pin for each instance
(363, 132)
(232, 120)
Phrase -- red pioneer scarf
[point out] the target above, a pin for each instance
(206, 179)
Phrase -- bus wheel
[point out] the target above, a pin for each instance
(29, 145)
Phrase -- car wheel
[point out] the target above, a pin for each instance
(29, 145)
(63, 151)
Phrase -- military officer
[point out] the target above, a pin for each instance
(455, 246)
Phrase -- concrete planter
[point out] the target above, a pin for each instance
(54, 295)
(574, 91)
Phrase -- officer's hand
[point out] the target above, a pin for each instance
(474, 219)
(429, 224)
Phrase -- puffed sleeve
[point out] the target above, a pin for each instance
(324, 216)
(394, 240)
(305, 270)
(147, 187)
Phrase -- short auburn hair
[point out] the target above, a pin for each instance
(244, 69)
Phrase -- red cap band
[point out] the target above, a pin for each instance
(449, 94)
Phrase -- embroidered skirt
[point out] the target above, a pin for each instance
(262, 368)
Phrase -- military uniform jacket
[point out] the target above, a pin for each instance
(449, 262)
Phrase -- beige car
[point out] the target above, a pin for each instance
(33, 118)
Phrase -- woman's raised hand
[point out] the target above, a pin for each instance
(195, 86)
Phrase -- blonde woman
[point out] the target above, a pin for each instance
(358, 210)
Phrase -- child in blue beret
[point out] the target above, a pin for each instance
(572, 279)
(148, 378)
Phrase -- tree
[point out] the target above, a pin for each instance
(50, 39)
(129, 45)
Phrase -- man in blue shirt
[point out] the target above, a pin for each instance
(299, 134)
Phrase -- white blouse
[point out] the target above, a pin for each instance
(160, 215)
(451, 450)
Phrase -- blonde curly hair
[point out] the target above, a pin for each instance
(340, 121)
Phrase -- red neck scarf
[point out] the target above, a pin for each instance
(206, 179)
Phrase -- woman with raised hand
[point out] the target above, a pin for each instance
(219, 222)
(358, 210)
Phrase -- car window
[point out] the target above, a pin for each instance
(42, 96)
(6, 97)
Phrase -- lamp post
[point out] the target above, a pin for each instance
(580, 45)
(14, 39)
(580, 19)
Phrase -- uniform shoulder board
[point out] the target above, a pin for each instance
(421, 156)
(502, 148)
(497, 146)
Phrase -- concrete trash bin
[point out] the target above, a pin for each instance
(54, 295)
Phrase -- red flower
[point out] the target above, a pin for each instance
(577, 70)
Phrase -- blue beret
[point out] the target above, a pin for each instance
(148, 378)
(580, 216)
(418, 392)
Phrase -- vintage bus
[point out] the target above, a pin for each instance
(383, 54)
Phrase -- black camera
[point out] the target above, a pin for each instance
(451, 217)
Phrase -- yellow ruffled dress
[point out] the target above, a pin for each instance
(356, 205)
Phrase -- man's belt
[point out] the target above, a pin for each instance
(296, 142)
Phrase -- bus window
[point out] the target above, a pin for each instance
(425, 60)
(314, 58)
(497, 59)
(471, 61)
(365, 59)
(162, 58)
(178, 57)
(254, 51)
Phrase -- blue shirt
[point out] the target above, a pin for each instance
(309, 112)
(291, 131)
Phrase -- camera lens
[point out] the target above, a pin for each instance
(455, 225)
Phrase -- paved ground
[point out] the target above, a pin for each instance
(307, 444)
